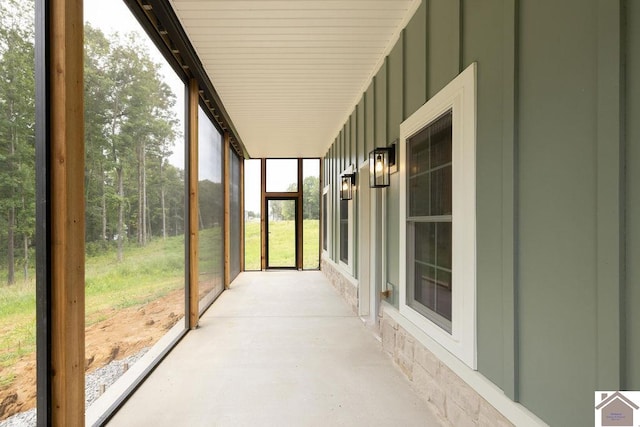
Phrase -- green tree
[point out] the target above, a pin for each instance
(310, 201)
(99, 191)
(311, 198)
(276, 211)
(130, 133)
(17, 131)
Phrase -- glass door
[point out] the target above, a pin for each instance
(282, 231)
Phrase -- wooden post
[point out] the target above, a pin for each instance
(193, 204)
(264, 214)
(227, 211)
(299, 218)
(66, 143)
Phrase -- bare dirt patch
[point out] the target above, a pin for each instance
(123, 333)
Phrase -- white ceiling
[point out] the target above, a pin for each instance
(290, 72)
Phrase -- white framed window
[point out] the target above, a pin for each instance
(438, 217)
(326, 220)
(345, 230)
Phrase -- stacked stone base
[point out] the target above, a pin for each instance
(453, 398)
(344, 284)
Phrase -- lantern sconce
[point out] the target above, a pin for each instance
(381, 160)
(347, 186)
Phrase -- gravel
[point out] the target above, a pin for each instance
(102, 377)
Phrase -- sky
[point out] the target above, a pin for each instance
(114, 16)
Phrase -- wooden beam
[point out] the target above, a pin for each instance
(66, 139)
(299, 217)
(263, 214)
(192, 127)
(227, 210)
(241, 219)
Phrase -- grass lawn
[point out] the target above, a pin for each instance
(147, 273)
(17, 324)
(284, 250)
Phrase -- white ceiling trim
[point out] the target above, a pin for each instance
(290, 72)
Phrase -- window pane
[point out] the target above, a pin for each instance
(311, 213)
(443, 293)
(425, 242)
(432, 266)
(429, 198)
(441, 191)
(418, 155)
(424, 284)
(135, 188)
(429, 177)
(444, 244)
(282, 175)
(252, 211)
(440, 145)
(234, 214)
(419, 190)
(210, 211)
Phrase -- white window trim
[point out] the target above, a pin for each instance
(348, 267)
(459, 96)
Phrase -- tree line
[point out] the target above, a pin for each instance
(132, 192)
(282, 211)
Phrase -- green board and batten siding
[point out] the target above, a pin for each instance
(557, 180)
(557, 185)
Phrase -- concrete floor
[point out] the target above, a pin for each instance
(277, 349)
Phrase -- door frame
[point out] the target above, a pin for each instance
(296, 225)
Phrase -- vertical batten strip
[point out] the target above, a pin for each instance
(458, 11)
(192, 127)
(66, 145)
(227, 210)
(509, 202)
(610, 199)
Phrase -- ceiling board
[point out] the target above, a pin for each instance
(289, 72)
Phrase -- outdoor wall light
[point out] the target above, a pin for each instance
(347, 186)
(380, 162)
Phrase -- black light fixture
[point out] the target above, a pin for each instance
(347, 183)
(381, 160)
